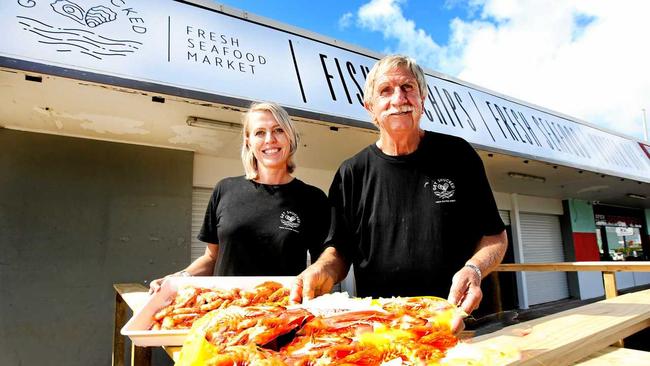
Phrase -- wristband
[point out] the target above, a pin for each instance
(476, 269)
(184, 273)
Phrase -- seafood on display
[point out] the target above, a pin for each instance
(191, 303)
(250, 331)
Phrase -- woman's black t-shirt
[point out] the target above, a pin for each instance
(265, 230)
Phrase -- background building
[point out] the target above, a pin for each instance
(117, 120)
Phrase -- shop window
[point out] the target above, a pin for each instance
(619, 243)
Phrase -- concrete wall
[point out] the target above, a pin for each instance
(77, 216)
(540, 205)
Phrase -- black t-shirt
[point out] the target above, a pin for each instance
(265, 229)
(408, 223)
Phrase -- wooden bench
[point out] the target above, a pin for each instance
(616, 356)
(570, 336)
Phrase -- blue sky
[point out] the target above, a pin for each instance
(586, 59)
(325, 17)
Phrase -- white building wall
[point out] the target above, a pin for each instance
(591, 285)
(532, 204)
(208, 170)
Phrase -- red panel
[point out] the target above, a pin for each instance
(586, 247)
(646, 149)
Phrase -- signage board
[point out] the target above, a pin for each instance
(624, 231)
(202, 50)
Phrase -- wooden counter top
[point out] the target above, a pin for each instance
(569, 336)
(616, 356)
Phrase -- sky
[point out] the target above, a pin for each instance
(587, 59)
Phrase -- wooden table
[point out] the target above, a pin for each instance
(132, 296)
(569, 336)
(128, 296)
(617, 356)
(581, 335)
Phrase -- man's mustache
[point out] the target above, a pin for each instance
(400, 109)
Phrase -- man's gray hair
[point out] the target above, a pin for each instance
(388, 63)
(282, 117)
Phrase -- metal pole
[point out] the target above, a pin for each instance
(645, 127)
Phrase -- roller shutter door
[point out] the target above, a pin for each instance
(200, 199)
(542, 242)
(505, 217)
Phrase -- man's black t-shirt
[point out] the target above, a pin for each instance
(408, 223)
(265, 229)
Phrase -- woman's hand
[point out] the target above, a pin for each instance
(155, 285)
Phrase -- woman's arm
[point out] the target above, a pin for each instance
(202, 266)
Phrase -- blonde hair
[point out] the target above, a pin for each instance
(388, 63)
(282, 117)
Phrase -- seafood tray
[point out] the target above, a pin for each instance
(138, 327)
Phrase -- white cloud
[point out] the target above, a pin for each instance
(386, 16)
(584, 59)
(345, 20)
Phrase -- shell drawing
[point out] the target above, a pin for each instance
(98, 15)
(93, 17)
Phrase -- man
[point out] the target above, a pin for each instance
(414, 212)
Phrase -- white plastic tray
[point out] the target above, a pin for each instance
(137, 328)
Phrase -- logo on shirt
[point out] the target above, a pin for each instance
(442, 188)
(289, 220)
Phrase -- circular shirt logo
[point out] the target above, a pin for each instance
(290, 219)
(443, 188)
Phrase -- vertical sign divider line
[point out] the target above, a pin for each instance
(295, 64)
(479, 113)
(169, 21)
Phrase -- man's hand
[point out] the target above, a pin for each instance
(320, 277)
(312, 282)
(466, 293)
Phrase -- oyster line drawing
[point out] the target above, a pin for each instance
(93, 17)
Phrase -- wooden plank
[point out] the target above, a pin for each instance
(609, 282)
(118, 339)
(134, 294)
(496, 294)
(173, 351)
(140, 356)
(576, 266)
(616, 356)
(571, 335)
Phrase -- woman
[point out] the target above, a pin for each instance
(265, 222)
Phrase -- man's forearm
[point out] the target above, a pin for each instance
(489, 252)
(333, 263)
